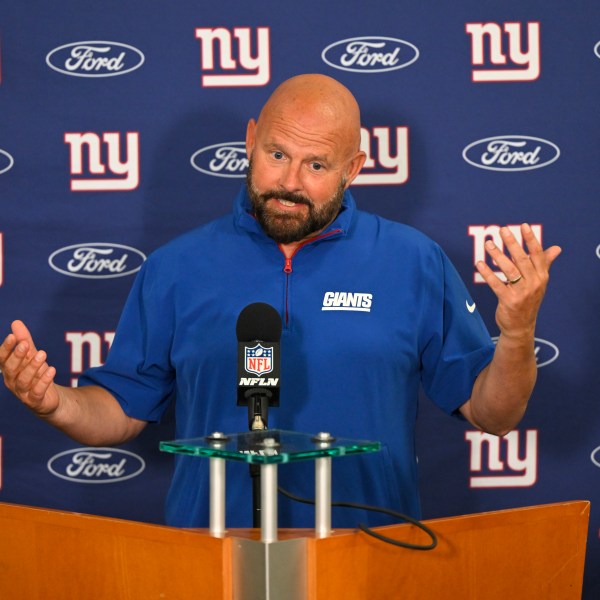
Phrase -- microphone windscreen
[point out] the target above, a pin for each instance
(258, 321)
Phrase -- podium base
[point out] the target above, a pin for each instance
(273, 571)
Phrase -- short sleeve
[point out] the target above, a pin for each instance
(138, 370)
(459, 345)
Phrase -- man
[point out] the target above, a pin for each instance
(297, 242)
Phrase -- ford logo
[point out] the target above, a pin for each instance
(95, 59)
(96, 260)
(370, 54)
(228, 159)
(545, 352)
(96, 465)
(511, 153)
(6, 161)
(598, 251)
(597, 49)
(595, 456)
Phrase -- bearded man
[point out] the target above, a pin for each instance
(371, 311)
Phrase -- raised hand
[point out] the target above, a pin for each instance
(527, 276)
(26, 373)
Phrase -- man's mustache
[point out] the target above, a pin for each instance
(283, 195)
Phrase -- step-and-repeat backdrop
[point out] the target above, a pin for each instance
(122, 126)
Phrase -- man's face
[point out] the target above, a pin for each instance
(297, 175)
(289, 217)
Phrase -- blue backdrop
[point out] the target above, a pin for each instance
(121, 126)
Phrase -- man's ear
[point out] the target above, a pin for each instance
(250, 137)
(355, 166)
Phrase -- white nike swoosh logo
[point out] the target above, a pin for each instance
(470, 307)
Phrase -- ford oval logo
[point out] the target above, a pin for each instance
(228, 159)
(370, 54)
(597, 49)
(97, 260)
(6, 161)
(95, 59)
(96, 465)
(511, 153)
(545, 352)
(595, 456)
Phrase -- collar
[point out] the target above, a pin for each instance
(243, 217)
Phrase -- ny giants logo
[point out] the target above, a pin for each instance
(351, 301)
(103, 152)
(481, 233)
(508, 465)
(505, 52)
(87, 350)
(250, 70)
(382, 166)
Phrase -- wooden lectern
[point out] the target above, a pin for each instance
(525, 553)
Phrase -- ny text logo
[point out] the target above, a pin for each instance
(506, 53)
(87, 350)
(91, 155)
(250, 70)
(481, 233)
(508, 465)
(382, 166)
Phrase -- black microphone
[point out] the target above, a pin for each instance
(258, 331)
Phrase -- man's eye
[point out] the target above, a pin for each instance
(316, 166)
(277, 155)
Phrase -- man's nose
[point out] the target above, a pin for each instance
(290, 178)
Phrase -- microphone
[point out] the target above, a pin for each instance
(258, 331)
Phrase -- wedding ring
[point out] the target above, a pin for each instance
(516, 280)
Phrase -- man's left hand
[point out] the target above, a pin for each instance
(526, 275)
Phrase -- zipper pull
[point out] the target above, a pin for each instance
(288, 265)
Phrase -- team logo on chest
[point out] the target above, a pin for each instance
(259, 360)
(347, 301)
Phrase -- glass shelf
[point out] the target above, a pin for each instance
(270, 446)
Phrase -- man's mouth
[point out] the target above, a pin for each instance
(287, 202)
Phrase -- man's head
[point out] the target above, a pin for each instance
(304, 152)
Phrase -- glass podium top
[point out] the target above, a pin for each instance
(269, 446)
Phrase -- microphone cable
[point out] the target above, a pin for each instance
(369, 531)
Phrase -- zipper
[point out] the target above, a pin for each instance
(287, 266)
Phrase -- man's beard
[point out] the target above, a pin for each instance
(286, 228)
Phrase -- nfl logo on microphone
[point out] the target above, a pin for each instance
(259, 360)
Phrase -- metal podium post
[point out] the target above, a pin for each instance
(269, 568)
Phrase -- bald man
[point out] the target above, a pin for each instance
(371, 310)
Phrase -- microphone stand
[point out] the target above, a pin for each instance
(258, 410)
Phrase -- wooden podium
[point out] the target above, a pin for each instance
(526, 553)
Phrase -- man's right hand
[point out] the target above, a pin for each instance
(26, 373)
(89, 414)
